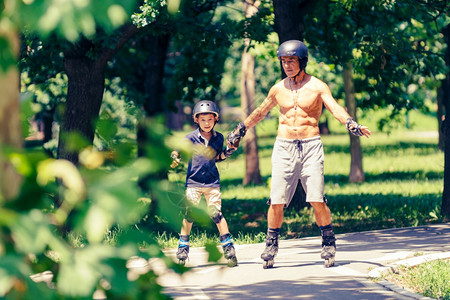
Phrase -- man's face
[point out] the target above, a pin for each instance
(206, 121)
(291, 65)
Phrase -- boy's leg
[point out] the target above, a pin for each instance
(214, 202)
(193, 196)
(186, 227)
(183, 248)
(228, 249)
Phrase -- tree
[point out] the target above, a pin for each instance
(86, 82)
(99, 199)
(252, 173)
(10, 135)
(289, 25)
(445, 87)
(356, 170)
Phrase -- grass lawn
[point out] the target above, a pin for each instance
(430, 279)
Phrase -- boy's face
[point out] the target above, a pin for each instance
(206, 121)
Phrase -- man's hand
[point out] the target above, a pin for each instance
(357, 129)
(234, 137)
(176, 160)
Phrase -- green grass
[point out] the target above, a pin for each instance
(429, 279)
(403, 184)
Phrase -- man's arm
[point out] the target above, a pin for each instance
(234, 137)
(341, 114)
(261, 111)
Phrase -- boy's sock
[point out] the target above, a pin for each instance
(225, 239)
(184, 241)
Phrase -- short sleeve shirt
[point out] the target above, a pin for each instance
(202, 170)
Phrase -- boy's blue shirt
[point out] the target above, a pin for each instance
(202, 170)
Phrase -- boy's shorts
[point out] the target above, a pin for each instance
(294, 160)
(212, 196)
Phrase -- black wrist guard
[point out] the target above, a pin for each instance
(353, 127)
(234, 137)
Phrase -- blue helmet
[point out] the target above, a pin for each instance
(293, 48)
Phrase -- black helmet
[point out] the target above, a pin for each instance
(292, 48)
(204, 107)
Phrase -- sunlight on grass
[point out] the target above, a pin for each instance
(429, 279)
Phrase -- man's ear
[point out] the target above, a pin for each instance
(196, 120)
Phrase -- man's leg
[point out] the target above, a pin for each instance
(275, 215)
(323, 220)
(322, 213)
(274, 221)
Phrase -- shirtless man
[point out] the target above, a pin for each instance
(298, 151)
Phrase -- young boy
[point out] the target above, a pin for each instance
(202, 178)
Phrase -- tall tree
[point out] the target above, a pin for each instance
(252, 173)
(86, 82)
(356, 170)
(10, 133)
(445, 87)
(289, 25)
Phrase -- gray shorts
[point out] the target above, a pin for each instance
(294, 160)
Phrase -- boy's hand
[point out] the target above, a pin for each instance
(176, 159)
(229, 150)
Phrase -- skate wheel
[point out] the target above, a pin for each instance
(268, 264)
(329, 262)
(181, 262)
(232, 262)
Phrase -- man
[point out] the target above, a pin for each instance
(298, 151)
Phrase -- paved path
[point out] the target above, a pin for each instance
(299, 272)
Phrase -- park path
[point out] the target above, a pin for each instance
(299, 272)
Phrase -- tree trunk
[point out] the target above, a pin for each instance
(157, 47)
(10, 131)
(252, 172)
(445, 206)
(289, 26)
(86, 82)
(289, 19)
(356, 169)
(440, 117)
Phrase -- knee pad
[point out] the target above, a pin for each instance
(215, 214)
(188, 215)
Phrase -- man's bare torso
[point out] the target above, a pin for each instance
(300, 104)
(300, 107)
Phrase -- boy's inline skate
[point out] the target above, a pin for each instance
(230, 255)
(182, 252)
(270, 251)
(328, 248)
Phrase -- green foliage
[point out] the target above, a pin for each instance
(71, 19)
(392, 53)
(60, 204)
